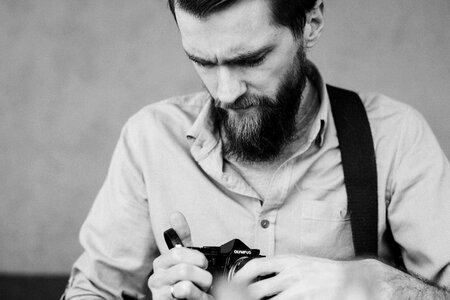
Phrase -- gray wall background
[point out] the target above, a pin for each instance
(73, 71)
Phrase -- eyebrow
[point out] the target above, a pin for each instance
(245, 56)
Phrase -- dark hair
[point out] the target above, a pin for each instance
(288, 13)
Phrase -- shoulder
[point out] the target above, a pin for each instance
(379, 106)
(404, 142)
(392, 118)
(173, 115)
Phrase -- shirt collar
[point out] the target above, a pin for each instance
(320, 123)
(203, 136)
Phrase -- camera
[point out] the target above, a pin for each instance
(223, 261)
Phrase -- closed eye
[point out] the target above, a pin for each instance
(246, 60)
(203, 64)
(247, 63)
(251, 62)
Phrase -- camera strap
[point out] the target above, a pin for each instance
(359, 165)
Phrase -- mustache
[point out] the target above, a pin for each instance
(245, 101)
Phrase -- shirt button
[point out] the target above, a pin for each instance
(265, 223)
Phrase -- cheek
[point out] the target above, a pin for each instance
(267, 79)
(277, 69)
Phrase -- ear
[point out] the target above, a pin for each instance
(314, 25)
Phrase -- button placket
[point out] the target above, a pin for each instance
(265, 232)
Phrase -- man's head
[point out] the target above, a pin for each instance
(250, 55)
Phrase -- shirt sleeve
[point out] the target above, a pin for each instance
(116, 236)
(419, 211)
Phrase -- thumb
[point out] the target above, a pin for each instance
(180, 225)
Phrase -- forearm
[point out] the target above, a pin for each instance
(396, 284)
(405, 286)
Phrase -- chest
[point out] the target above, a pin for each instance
(304, 212)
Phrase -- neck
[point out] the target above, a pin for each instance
(307, 112)
(309, 107)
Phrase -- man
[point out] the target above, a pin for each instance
(256, 157)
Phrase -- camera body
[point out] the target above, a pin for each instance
(229, 258)
(223, 261)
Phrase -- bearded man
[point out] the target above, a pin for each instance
(256, 156)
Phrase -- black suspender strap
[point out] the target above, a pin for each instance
(359, 164)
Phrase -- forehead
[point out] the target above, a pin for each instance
(243, 26)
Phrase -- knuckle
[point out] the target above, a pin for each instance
(198, 257)
(156, 263)
(186, 288)
(151, 282)
(154, 280)
(209, 279)
(184, 270)
(205, 261)
(176, 254)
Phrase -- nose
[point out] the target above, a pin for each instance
(229, 85)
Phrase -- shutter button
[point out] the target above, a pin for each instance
(265, 223)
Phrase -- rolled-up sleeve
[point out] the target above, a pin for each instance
(117, 237)
(419, 212)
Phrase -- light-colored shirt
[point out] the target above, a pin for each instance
(169, 158)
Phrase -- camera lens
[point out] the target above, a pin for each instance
(237, 265)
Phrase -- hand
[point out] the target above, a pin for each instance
(225, 290)
(180, 269)
(302, 277)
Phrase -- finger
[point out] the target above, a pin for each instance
(182, 272)
(259, 267)
(180, 255)
(267, 287)
(180, 225)
(188, 290)
(224, 290)
(185, 272)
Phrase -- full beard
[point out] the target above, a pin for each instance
(266, 125)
